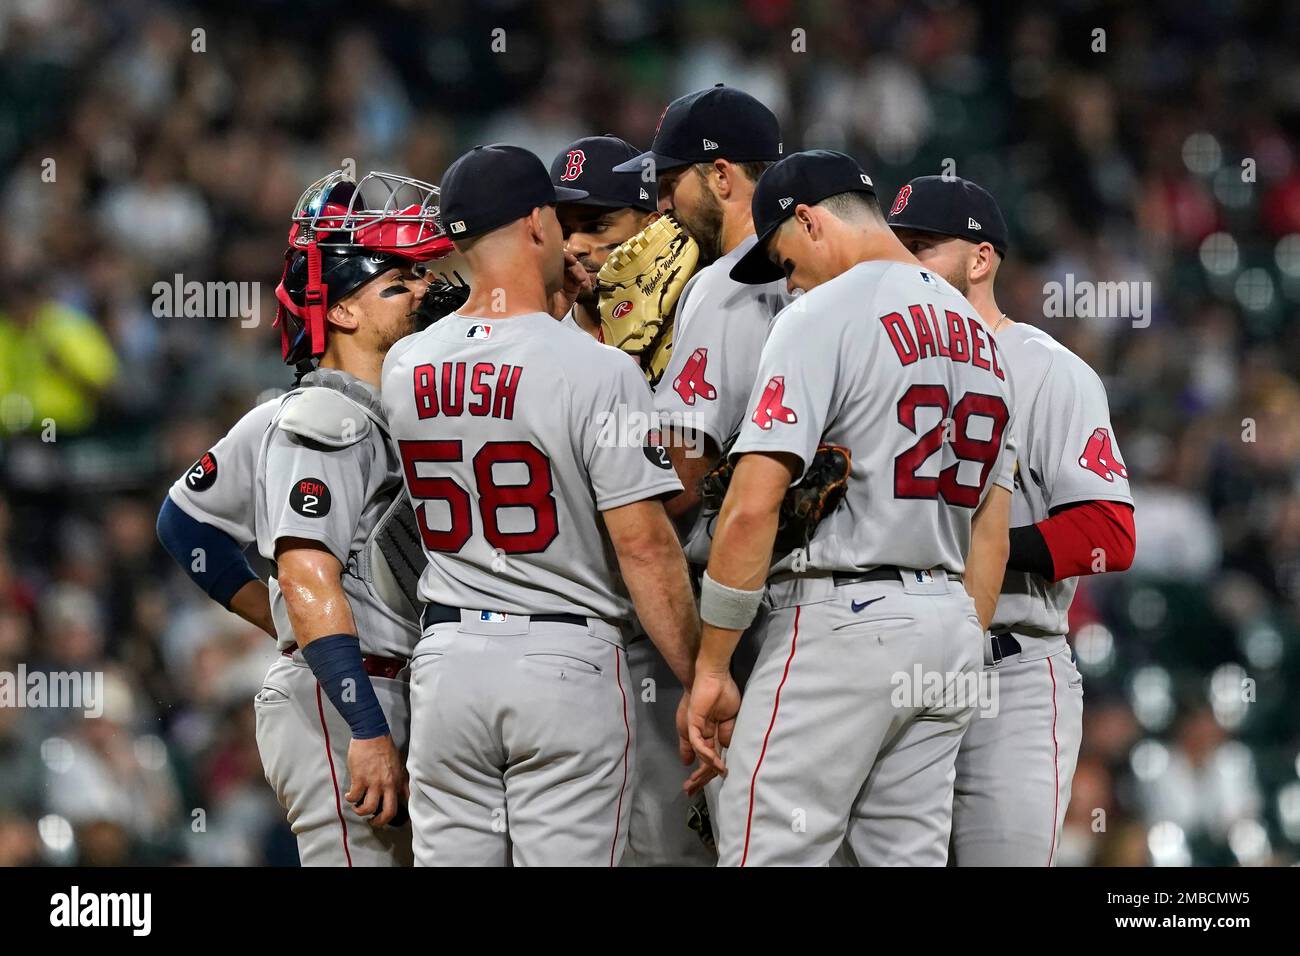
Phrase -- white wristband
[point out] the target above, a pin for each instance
(728, 608)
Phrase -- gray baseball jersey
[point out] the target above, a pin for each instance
(1067, 453)
(510, 440)
(218, 488)
(888, 361)
(718, 336)
(326, 472)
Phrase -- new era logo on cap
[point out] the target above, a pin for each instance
(645, 195)
(785, 201)
(458, 225)
(972, 224)
(710, 144)
(866, 180)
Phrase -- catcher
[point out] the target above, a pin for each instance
(353, 282)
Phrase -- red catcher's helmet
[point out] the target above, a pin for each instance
(340, 239)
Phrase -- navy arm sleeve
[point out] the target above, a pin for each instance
(225, 568)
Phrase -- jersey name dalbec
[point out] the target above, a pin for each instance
(952, 337)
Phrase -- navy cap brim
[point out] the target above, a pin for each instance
(565, 194)
(661, 163)
(603, 203)
(899, 224)
(754, 267)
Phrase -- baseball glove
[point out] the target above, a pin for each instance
(804, 505)
(638, 287)
(444, 296)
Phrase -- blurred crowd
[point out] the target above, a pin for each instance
(145, 143)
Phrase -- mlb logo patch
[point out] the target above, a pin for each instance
(458, 225)
(478, 332)
(492, 617)
(924, 577)
(926, 277)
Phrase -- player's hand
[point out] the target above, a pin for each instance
(577, 280)
(703, 773)
(714, 703)
(378, 786)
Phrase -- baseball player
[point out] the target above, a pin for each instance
(310, 478)
(709, 149)
(522, 746)
(615, 209)
(1071, 515)
(863, 685)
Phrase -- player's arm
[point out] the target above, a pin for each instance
(693, 455)
(986, 560)
(1081, 538)
(739, 560)
(741, 554)
(1089, 528)
(654, 570)
(216, 563)
(323, 626)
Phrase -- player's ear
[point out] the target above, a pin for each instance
(722, 178)
(648, 218)
(344, 314)
(982, 262)
(807, 220)
(536, 227)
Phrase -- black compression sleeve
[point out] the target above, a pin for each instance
(1029, 552)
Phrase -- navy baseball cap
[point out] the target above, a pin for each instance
(720, 122)
(801, 178)
(950, 207)
(492, 185)
(588, 164)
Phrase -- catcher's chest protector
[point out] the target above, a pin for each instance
(391, 560)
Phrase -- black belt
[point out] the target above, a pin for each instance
(442, 614)
(1004, 646)
(886, 572)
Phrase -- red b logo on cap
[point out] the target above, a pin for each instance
(901, 199)
(573, 165)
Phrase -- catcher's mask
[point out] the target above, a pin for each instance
(340, 239)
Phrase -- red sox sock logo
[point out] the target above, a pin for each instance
(771, 407)
(1099, 458)
(690, 382)
(573, 165)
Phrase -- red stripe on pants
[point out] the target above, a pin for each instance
(338, 802)
(776, 705)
